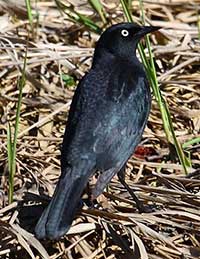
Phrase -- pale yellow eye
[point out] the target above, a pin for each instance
(124, 33)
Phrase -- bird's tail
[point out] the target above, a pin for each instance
(58, 216)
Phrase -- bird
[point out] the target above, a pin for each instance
(107, 117)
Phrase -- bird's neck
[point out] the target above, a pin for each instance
(103, 58)
(107, 60)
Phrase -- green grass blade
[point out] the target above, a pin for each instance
(183, 159)
(198, 24)
(12, 146)
(151, 72)
(191, 142)
(126, 11)
(29, 12)
(30, 16)
(9, 146)
(82, 19)
(10, 159)
(96, 4)
(77, 17)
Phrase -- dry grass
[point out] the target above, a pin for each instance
(59, 47)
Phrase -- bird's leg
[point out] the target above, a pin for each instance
(102, 182)
(121, 175)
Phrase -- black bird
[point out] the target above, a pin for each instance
(107, 117)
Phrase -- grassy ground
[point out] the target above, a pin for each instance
(59, 40)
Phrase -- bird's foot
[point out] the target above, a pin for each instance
(145, 209)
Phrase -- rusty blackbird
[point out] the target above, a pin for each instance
(107, 117)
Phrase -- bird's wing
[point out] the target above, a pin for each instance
(74, 127)
(121, 130)
(123, 121)
(106, 118)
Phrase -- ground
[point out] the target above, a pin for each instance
(59, 52)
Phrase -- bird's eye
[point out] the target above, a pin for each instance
(124, 33)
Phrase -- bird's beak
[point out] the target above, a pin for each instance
(147, 29)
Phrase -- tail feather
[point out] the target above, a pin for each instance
(58, 216)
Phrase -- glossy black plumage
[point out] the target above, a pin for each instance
(107, 117)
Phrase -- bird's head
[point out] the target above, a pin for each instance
(121, 39)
